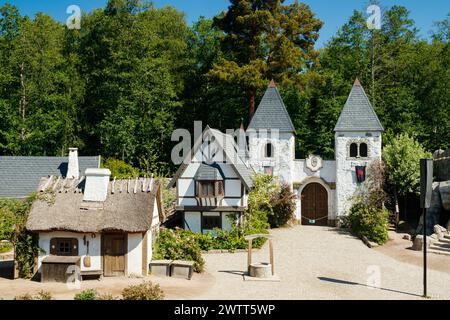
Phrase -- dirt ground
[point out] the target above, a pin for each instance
(311, 262)
(400, 250)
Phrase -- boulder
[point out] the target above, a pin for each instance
(407, 237)
(439, 231)
(444, 190)
(418, 243)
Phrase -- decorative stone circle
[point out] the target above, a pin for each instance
(314, 163)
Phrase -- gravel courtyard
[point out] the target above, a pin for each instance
(325, 263)
(311, 262)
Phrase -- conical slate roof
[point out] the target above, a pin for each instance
(358, 113)
(272, 113)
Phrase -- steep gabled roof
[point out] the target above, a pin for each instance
(272, 113)
(358, 113)
(20, 176)
(230, 148)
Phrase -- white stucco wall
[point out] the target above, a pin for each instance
(192, 221)
(346, 182)
(94, 247)
(134, 256)
(327, 172)
(284, 154)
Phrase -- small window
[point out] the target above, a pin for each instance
(210, 222)
(210, 189)
(363, 150)
(353, 150)
(64, 246)
(269, 151)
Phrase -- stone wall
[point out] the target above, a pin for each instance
(442, 165)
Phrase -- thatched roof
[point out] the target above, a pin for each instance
(60, 206)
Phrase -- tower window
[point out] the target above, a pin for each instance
(353, 150)
(363, 150)
(269, 151)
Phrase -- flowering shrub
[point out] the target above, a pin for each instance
(179, 244)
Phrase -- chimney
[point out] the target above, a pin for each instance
(73, 170)
(96, 187)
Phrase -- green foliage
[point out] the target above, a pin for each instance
(259, 206)
(264, 40)
(89, 294)
(13, 217)
(368, 216)
(41, 295)
(144, 291)
(283, 204)
(369, 221)
(92, 294)
(120, 85)
(178, 244)
(402, 157)
(5, 247)
(120, 169)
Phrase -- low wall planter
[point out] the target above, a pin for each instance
(160, 268)
(182, 269)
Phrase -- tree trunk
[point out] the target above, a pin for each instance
(23, 100)
(252, 101)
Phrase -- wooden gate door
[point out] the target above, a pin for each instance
(114, 250)
(314, 205)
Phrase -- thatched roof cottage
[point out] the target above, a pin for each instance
(105, 227)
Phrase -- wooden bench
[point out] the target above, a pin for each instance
(92, 273)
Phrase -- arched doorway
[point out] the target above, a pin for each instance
(314, 205)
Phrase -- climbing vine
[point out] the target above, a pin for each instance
(13, 217)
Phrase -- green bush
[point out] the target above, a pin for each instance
(89, 294)
(144, 291)
(283, 204)
(179, 244)
(369, 221)
(120, 169)
(106, 296)
(41, 295)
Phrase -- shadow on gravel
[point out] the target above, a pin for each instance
(345, 282)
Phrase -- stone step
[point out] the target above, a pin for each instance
(442, 244)
(447, 237)
(441, 252)
(445, 240)
(437, 247)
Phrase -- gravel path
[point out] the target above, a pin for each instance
(311, 262)
(322, 263)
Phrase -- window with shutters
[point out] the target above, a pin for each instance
(210, 189)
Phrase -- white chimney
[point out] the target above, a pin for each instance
(73, 170)
(96, 187)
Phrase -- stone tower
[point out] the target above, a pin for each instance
(357, 143)
(271, 137)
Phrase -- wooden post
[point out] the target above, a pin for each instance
(249, 259)
(271, 256)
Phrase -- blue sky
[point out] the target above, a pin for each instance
(334, 13)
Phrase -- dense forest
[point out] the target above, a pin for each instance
(133, 73)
